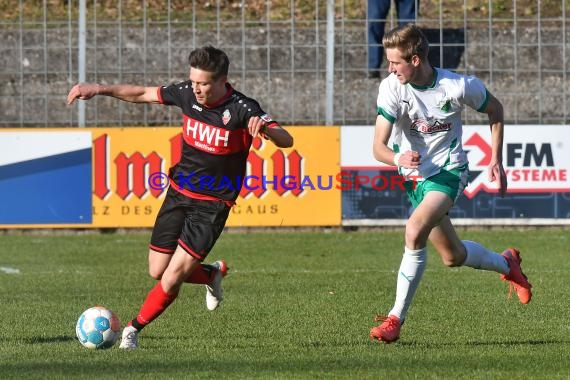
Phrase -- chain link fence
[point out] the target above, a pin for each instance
(278, 53)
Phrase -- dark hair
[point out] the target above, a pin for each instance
(210, 59)
(409, 39)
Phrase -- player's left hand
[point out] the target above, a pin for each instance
(497, 174)
(256, 125)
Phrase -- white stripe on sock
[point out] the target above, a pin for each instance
(410, 274)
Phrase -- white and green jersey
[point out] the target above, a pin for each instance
(428, 119)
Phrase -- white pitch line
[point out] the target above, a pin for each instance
(10, 270)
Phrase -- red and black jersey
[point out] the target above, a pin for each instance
(215, 142)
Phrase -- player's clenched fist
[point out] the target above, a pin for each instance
(83, 91)
(409, 160)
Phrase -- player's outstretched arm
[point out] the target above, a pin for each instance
(275, 133)
(279, 136)
(126, 92)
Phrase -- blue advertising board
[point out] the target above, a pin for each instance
(45, 177)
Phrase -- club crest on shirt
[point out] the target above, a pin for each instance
(226, 117)
(445, 105)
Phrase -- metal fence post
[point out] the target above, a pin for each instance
(81, 53)
(329, 110)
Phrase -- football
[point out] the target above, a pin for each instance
(98, 327)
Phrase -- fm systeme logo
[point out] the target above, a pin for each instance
(534, 162)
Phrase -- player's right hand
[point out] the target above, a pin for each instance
(409, 160)
(83, 91)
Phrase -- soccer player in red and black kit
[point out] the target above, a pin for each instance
(218, 128)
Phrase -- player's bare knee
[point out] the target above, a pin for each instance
(452, 261)
(156, 274)
(413, 236)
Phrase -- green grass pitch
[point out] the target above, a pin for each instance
(298, 305)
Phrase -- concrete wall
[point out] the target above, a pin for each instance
(527, 69)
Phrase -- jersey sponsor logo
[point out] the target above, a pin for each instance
(425, 127)
(197, 107)
(205, 135)
(215, 140)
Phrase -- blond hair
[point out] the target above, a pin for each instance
(409, 39)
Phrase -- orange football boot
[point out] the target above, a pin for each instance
(516, 277)
(389, 329)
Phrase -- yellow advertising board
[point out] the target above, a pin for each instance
(283, 187)
(300, 187)
(123, 161)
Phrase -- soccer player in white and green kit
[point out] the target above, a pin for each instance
(421, 106)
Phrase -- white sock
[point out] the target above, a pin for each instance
(479, 257)
(409, 277)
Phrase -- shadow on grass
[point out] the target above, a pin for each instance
(529, 342)
(237, 363)
(48, 339)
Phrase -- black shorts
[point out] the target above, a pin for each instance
(194, 224)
